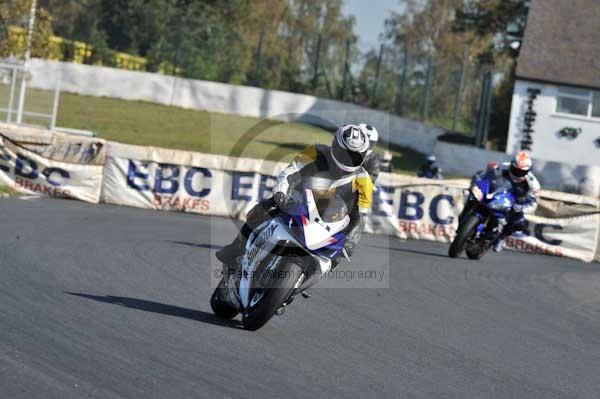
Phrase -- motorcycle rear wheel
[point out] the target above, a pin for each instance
(278, 291)
(464, 233)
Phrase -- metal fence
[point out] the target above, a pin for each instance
(23, 105)
(455, 96)
(449, 93)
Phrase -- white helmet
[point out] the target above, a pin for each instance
(349, 147)
(373, 135)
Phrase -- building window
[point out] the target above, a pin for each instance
(596, 104)
(578, 102)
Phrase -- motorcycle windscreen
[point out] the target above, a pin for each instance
(334, 249)
(501, 202)
(327, 216)
(316, 224)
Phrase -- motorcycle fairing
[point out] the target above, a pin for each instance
(301, 226)
(497, 200)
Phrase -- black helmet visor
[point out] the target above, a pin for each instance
(348, 158)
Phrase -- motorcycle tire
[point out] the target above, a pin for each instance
(465, 231)
(278, 291)
(475, 254)
(219, 307)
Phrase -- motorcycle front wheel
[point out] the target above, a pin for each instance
(279, 290)
(464, 233)
(475, 253)
(220, 307)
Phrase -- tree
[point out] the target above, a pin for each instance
(218, 40)
(15, 13)
(101, 53)
(504, 21)
(291, 33)
(460, 36)
(70, 18)
(425, 33)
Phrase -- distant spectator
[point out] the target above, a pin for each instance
(430, 170)
(372, 163)
(385, 164)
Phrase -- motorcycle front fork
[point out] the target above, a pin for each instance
(491, 233)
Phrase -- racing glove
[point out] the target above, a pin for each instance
(476, 191)
(282, 201)
(349, 246)
(518, 207)
(354, 234)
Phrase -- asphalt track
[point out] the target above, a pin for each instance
(112, 302)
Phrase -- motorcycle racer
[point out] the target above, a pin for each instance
(430, 170)
(490, 172)
(386, 162)
(372, 162)
(340, 165)
(526, 188)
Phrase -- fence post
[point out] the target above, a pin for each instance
(257, 60)
(91, 12)
(478, 126)
(315, 79)
(488, 109)
(377, 77)
(177, 44)
(459, 94)
(425, 107)
(484, 110)
(56, 102)
(11, 96)
(402, 85)
(327, 82)
(346, 70)
(30, 28)
(352, 88)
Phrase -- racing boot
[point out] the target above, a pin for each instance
(228, 254)
(334, 263)
(499, 245)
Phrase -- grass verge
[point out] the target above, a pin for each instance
(143, 123)
(6, 191)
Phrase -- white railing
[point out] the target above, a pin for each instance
(13, 75)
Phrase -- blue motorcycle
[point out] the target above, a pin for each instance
(482, 224)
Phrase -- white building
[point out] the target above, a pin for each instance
(556, 102)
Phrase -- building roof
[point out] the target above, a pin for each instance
(562, 43)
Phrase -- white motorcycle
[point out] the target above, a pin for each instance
(283, 258)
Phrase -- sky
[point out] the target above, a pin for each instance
(370, 16)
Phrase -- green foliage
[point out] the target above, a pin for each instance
(503, 19)
(15, 13)
(454, 33)
(500, 117)
(6, 191)
(222, 41)
(101, 53)
(218, 40)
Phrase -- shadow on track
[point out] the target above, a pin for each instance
(161, 308)
(191, 244)
(411, 251)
